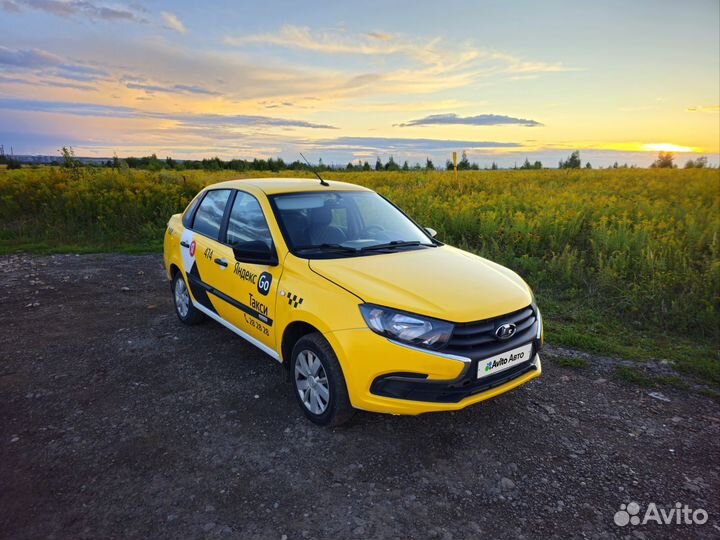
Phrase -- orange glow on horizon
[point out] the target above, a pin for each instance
(667, 147)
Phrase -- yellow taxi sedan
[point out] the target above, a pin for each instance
(364, 307)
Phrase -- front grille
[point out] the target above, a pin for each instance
(477, 339)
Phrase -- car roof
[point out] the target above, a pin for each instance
(275, 186)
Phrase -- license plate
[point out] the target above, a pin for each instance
(503, 361)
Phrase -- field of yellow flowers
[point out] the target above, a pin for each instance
(620, 257)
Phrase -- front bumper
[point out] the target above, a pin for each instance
(416, 388)
(383, 376)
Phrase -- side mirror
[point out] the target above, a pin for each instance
(431, 232)
(255, 252)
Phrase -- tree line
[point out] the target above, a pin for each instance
(68, 160)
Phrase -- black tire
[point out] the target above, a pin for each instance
(338, 409)
(192, 315)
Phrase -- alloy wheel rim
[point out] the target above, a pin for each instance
(182, 298)
(311, 382)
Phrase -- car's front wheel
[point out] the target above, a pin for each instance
(319, 382)
(186, 311)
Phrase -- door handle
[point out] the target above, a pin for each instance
(221, 262)
(184, 244)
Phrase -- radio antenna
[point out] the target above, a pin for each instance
(322, 182)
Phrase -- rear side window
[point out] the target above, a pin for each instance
(209, 215)
(189, 213)
(247, 222)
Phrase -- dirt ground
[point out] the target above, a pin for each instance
(117, 421)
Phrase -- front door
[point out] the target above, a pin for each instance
(249, 288)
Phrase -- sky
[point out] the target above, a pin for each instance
(348, 81)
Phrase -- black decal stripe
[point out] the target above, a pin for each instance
(198, 291)
(239, 305)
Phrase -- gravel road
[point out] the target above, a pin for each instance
(117, 421)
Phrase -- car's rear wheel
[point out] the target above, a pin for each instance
(184, 308)
(319, 382)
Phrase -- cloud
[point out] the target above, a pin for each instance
(395, 143)
(75, 8)
(423, 68)
(79, 109)
(45, 82)
(172, 22)
(158, 63)
(12, 80)
(381, 36)
(704, 108)
(173, 89)
(522, 67)
(113, 111)
(249, 120)
(46, 63)
(28, 58)
(399, 64)
(301, 37)
(80, 72)
(479, 120)
(10, 6)
(428, 51)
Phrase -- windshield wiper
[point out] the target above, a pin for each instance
(328, 247)
(395, 244)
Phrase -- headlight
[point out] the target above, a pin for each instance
(413, 329)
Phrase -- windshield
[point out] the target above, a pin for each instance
(342, 223)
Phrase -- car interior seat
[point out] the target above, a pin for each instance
(296, 225)
(321, 231)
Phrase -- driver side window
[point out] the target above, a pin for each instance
(247, 222)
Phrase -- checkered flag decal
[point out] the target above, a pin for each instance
(293, 300)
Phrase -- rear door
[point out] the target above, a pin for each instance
(250, 288)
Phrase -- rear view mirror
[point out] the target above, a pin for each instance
(431, 232)
(255, 252)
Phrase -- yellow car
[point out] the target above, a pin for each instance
(365, 308)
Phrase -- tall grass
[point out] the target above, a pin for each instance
(642, 244)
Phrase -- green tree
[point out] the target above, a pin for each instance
(699, 163)
(572, 162)
(664, 161)
(405, 166)
(429, 166)
(366, 166)
(68, 158)
(11, 163)
(391, 165)
(378, 165)
(464, 163)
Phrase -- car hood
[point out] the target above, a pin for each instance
(442, 282)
